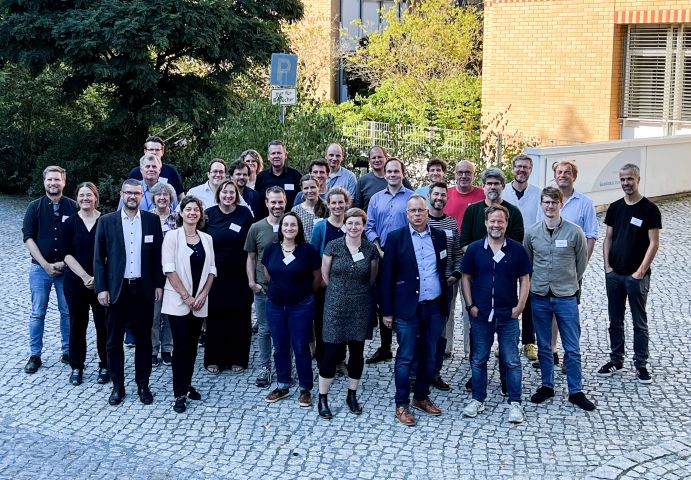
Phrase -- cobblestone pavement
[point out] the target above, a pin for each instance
(50, 429)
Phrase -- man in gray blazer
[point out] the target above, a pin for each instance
(128, 278)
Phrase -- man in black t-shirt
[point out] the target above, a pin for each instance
(631, 242)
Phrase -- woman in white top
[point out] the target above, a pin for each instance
(188, 262)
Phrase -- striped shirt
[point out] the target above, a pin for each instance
(449, 226)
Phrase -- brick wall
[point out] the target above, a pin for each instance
(557, 63)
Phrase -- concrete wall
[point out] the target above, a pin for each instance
(665, 164)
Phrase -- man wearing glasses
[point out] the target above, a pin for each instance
(128, 278)
(206, 192)
(465, 193)
(42, 232)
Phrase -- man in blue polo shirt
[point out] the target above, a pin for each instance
(491, 267)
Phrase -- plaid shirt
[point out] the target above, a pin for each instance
(170, 220)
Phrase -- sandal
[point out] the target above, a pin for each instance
(237, 369)
(213, 369)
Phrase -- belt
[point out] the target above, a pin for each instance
(132, 280)
(425, 302)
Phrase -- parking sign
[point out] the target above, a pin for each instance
(284, 69)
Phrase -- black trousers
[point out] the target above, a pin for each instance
(79, 299)
(186, 330)
(385, 332)
(335, 353)
(319, 300)
(134, 308)
(228, 337)
(527, 329)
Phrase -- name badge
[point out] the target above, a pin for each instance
(344, 229)
(634, 221)
(165, 228)
(235, 227)
(288, 259)
(275, 228)
(288, 186)
(561, 243)
(148, 239)
(442, 254)
(498, 256)
(65, 217)
(358, 256)
(448, 233)
(317, 220)
(187, 251)
(162, 179)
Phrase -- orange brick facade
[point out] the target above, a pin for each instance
(556, 65)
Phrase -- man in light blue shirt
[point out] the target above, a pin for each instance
(436, 169)
(339, 176)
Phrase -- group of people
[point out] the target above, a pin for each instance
(324, 258)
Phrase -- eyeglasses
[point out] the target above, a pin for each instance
(464, 173)
(549, 203)
(132, 194)
(217, 172)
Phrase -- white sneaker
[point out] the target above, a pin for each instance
(473, 408)
(516, 414)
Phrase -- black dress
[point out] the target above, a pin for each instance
(229, 324)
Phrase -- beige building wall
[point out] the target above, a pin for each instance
(555, 66)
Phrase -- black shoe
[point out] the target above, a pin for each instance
(76, 376)
(323, 407)
(555, 356)
(145, 395)
(504, 389)
(117, 395)
(180, 404)
(103, 376)
(353, 404)
(469, 385)
(167, 358)
(379, 356)
(440, 384)
(643, 375)
(65, 358)
(579, 399)
(543, 393)
(193, 394)
(155, 362)
(33, 364)
(609, 368)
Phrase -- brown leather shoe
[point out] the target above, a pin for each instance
(427, 406)
(405, 416)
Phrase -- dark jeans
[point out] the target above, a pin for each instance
(228, 337)
(482, 335)
(427, 324)
(186, 330)
(319, 299)
(134, 308)
(619, 288)
(385, 333)
(335, 352)
(79, 299)
(527, 329)
(291, 325)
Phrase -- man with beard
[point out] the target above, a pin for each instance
(129, 279)
(491, 268)
(239, 172)
(464, 193)
(42, 232)
(437, 198)
(631, 242)
(260, 235)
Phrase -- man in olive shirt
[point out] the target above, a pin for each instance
(559, 255)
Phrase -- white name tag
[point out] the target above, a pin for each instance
(449, 233)
(561, 243)
(491, 315)
(358, 256)
(344, 229)
(442, 254)
(148, 239)
(235, 227)
(288, 259)
(163, 179)
(187, 251)
(288, 186)
(317, 220)
(498, 256)
(275, 228)
(165, 228)
(634, 221)
(65, 217)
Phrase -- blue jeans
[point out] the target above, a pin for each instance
(40, 284)
(482, 335)
(422, 331)
(263, 335)
(291, 325)
(565, 310)
(619, 288)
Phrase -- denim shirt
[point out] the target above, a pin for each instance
(426, 264)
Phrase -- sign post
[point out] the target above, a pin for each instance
(283, 80)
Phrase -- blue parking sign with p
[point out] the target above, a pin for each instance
(284, 69)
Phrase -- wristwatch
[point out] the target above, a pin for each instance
(469, 307)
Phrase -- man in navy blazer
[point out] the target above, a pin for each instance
(413, 289)
(128, 278)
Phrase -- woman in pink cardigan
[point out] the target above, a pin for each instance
(188, 262)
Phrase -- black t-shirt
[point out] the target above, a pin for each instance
(80, 243)
(630, 225)
(290, 283)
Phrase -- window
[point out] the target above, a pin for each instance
(657, 80)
